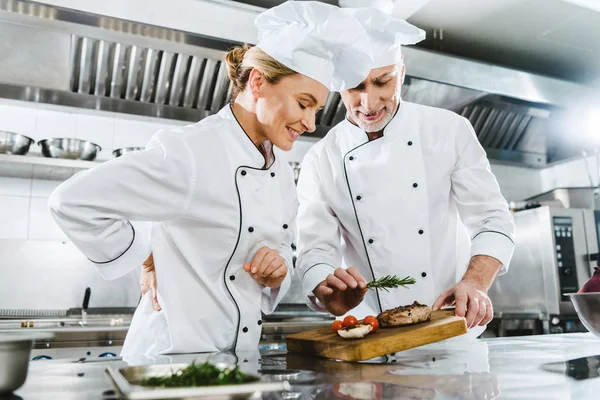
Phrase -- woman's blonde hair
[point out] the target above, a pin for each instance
(241, 60)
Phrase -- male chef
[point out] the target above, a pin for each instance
(399, 189)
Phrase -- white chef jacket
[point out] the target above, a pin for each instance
(212, 206)
(400, 204)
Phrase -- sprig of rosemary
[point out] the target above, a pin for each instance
(391, 282)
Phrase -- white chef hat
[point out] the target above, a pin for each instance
(318, 40)
(386, 34)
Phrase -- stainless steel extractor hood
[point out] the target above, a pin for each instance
(60, 56)
(65, 57)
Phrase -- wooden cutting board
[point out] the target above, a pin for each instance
(324, 342)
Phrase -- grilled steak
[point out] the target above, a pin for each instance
(405, 315)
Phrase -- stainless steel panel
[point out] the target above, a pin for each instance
(577, 197)
(134, 73)
(70, 99)
(149, 75)
(229, 91)
(492, 79)
(163, 82)
(101, 82)
(118, 73)
(207, 84)
(179, 77)
(53, 275)
(520, 131)
(220, 90)
(191, 85)
(34, 57)
(531, 286)
(329, 109)
(86, 65)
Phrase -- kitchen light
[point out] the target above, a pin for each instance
(591, 124)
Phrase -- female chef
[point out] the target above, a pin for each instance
(220, 198)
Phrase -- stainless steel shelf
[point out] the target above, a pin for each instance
(39, 167)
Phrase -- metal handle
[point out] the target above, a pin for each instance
(86, 299)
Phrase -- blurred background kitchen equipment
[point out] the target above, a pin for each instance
(15, 349)
(14, 143)
(555, 253)
(587, 306)
(72, 149)
(121, 151)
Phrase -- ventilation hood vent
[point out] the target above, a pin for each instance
(76, 59)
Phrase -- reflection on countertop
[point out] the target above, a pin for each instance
(530, 367)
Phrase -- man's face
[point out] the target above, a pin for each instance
(372, 104)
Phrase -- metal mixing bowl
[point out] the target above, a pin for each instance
(72, 149)
(587, 306)
(14, 143)
(15, 351)
(120, 152)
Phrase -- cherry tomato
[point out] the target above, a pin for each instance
(369, 318)
(373, 322)
(350, 320)
(336, 325)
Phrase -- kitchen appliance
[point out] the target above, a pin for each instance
(555, 249)
(575, 197)
(324, 342)
(14, 143)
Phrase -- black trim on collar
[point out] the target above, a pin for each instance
(120, 255)
(261, 154)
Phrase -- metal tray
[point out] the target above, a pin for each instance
(126, 381)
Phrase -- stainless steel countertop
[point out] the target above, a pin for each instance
(529, 367)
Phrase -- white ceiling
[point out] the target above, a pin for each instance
(551, 37)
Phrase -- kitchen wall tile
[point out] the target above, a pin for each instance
(43, 188)
(575, 173)
(96, 128)
(55, 124)
(132, 133)
(18, 118)
(41, 223)
(14, 216)
(15, 187)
